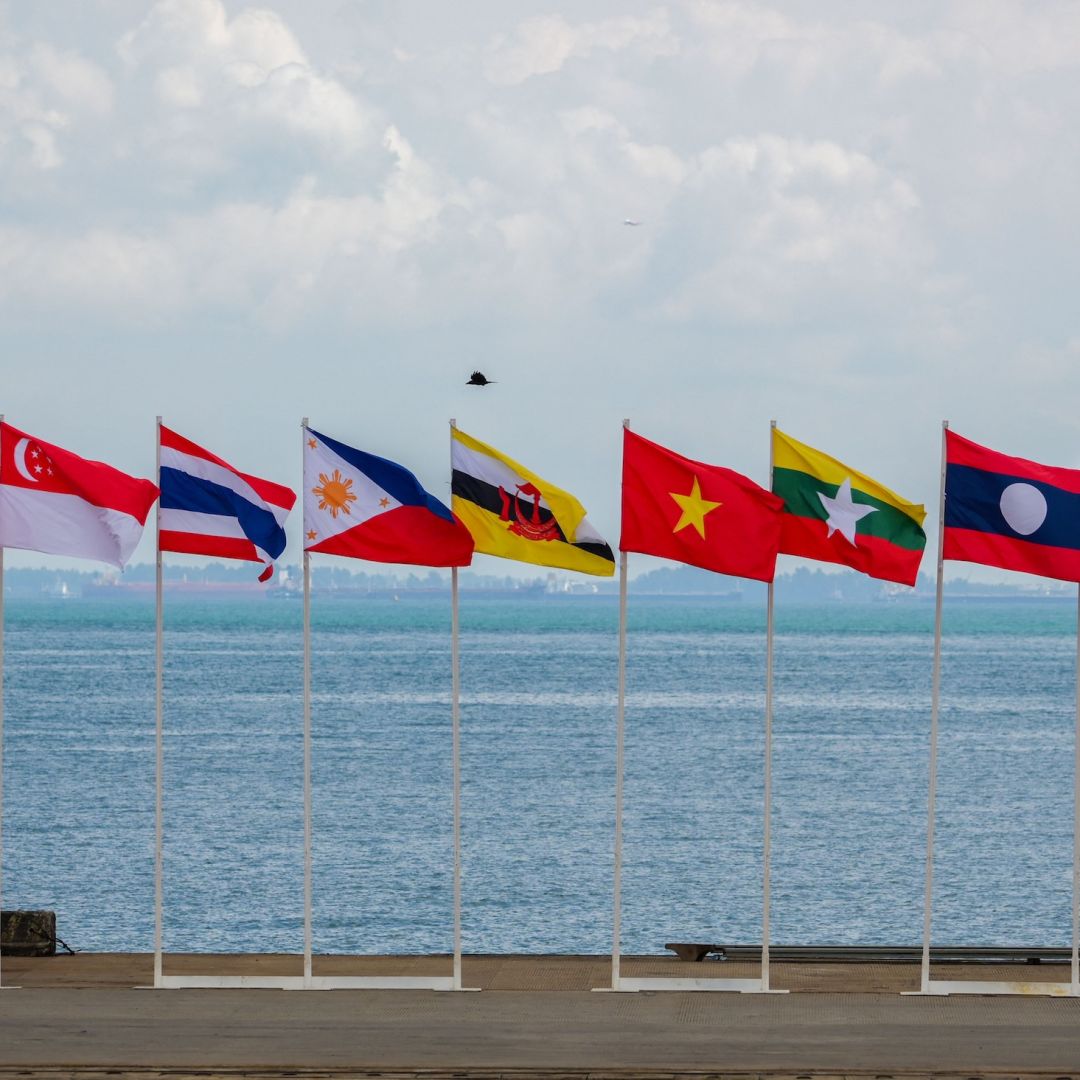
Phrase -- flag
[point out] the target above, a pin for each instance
(704, 515)
(365, 507)
(514, 514)
(54, 501)
(1009, 512)
(835, 514)
(210, 508)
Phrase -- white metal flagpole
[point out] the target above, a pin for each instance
(455, 713)
(935, 700)
(307, 742)
(1, 733)
(620, 731)
(455, 723)
(766, 856)
(159, 742)
(1075, 988)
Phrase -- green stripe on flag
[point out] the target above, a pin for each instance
(800, 491)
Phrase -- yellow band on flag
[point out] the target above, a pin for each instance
(515, 514)
(789, 453)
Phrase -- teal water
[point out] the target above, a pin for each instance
(538, 752)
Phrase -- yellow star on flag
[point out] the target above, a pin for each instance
(694, 508)
(312, 443)
(312, 534)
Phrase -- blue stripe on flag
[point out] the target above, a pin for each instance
(182, 491)
(973, 501)
(393, 478)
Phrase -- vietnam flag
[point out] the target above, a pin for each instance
(704, 515)
(54, 501)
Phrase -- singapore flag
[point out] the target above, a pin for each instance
(54, 501)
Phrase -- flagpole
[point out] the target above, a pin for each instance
(159, 741)
(766, 858)
(620, 732)
(1075, 988)
(1, 734)
(455, 722)
(935, 700)
(307, 739)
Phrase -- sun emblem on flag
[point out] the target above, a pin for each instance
(334, 494)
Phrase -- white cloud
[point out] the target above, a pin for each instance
(80, 85)
(780, 224)
(45, 93)
(245, 74)
(542, 45)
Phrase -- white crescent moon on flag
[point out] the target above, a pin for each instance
(20, 460)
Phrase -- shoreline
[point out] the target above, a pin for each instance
(540, 972)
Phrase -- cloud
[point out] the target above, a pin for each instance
(542, 45)
(247, 75)
(45, 93)
(82, 86)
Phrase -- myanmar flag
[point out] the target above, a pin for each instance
(704, 515)
(835, 514)
(513, 513)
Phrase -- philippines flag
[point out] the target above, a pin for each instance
(365, 507)
(210, 508)
(54, 501)
(1009, 512)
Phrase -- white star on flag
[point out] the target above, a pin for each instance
(843, 513)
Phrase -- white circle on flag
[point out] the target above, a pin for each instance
(1023, 507)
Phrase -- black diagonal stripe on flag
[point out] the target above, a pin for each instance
(489, 497)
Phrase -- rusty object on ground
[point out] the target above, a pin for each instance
(692, 950)
(28, 933)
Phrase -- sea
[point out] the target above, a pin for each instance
(538, 726)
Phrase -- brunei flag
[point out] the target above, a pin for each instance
(835, 514)
(514, 514)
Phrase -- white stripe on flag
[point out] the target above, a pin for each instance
(492, 471)
(218, 474)
(60, 524)
(189, 521)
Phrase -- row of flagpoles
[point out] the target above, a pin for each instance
(1000, 511)
(994, 509)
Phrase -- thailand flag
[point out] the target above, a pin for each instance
(210, 508)
(54, 501)
(365, 507)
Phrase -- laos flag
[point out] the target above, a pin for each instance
(1009, 512)
(365, 507)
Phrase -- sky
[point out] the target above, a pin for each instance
(857, 218)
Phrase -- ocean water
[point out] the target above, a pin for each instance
(850, 773)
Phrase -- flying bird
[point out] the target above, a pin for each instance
(630, 221)
(478, 378)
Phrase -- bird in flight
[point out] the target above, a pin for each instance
(478, 378)
(630, 221)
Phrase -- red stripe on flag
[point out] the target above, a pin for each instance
(1012, 553)
(68, 474)
(809, 538)
(961, 451)
(222, 547)
(407, 534)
